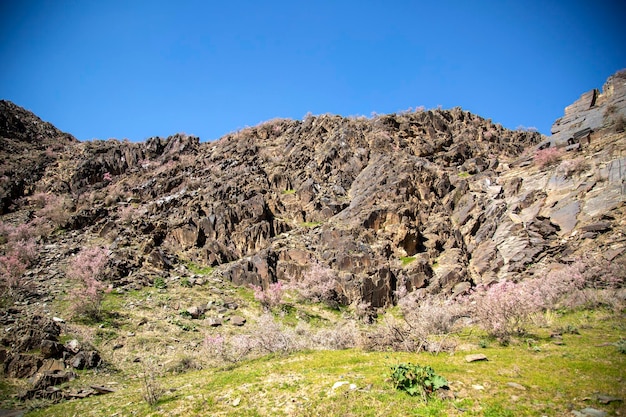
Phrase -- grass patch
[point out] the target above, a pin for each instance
(556, 379)
(288, 192)
(310, 224)
(407, 260)
(464, 174)
(198, 269)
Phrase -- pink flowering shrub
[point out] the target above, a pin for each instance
(505, 308)
(270, 297)
(86, 269)
(319, 285)
(547, 157)
(17, 254)
(600, 281)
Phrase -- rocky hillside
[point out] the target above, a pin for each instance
(28, 145)
(438, 200)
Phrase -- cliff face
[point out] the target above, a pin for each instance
(594, 110)
(432, 200)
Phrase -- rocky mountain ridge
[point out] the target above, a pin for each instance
(436, 201)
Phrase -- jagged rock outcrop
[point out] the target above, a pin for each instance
(434, 200)
(593, 111)
(28, 145)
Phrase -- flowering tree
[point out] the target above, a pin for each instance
(86, 269)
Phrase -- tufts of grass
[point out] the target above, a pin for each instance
(407, 260)
(557, 378)
(198, 269)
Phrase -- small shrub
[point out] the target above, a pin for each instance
(505, 308)
(393, 334)
(231, 350)
(416, 379)
(52, 207)
(343, 335)
(621, 346)
(546, 157)
(159, 283)
(569, 329)
(432, 316)
(186, 314)
(184, 364)
(86, 269)
(319, 285)
(363, 310)
(19, 252)
(269, 336)
(151, 389)
(271, 297)
(571, 167)
(11, 271)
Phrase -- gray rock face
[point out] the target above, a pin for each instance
(433, 200)
(594, 110)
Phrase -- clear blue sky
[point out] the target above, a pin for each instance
(135, 69)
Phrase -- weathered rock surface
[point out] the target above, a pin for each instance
(593, 111)
(28, 145)
(450, 192)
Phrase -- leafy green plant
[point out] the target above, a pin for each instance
(159, 283)
(184, 326)
(416, 379)
(407, 260)
(185, 314)
(621, 346)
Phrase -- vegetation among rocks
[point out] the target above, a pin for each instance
(539, 377)
(283, 269)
